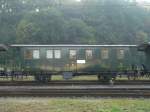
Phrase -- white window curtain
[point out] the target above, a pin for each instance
(36, 54)
(49, 54)
(57, 54)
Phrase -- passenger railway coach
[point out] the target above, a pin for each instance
(43, 61)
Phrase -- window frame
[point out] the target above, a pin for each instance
(25, 54)
(50, 56)
(105, 55)
(88, 57)
(119, 54)
(60, 54)
(73, 57)
(34, 57)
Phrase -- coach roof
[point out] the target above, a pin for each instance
(71, 45)
(3, 47)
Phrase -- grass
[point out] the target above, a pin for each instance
(73, 105)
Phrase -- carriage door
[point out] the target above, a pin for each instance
(72, 59)
(58, 60)
(81, 60)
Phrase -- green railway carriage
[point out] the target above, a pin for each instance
(3, 56)
(71, 60)
(145, 48)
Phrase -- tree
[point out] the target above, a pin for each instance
(45, 26)
(65, 21)
(79, 32)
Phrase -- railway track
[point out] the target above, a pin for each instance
(74, 82)
(76, 91)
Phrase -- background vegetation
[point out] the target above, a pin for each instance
(69, 21)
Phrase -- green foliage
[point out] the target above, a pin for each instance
(68, 21)
(26, 32)
(44, 26)
(78, 31)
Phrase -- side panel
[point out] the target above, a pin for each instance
(102, 59)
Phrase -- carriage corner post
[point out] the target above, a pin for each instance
(68, 60)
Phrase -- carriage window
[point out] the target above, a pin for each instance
(88, 54)
(120, 54)
(36, 54)
(105, 54)
(28, 54)
(57, 54)
(49, 54)
(73, 54)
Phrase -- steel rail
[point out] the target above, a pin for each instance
(73, 82)
(74, 92)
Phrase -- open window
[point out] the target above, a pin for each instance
(28, 54)
(105, 54)
(89, 54)
(73, 54)
(120, 53)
